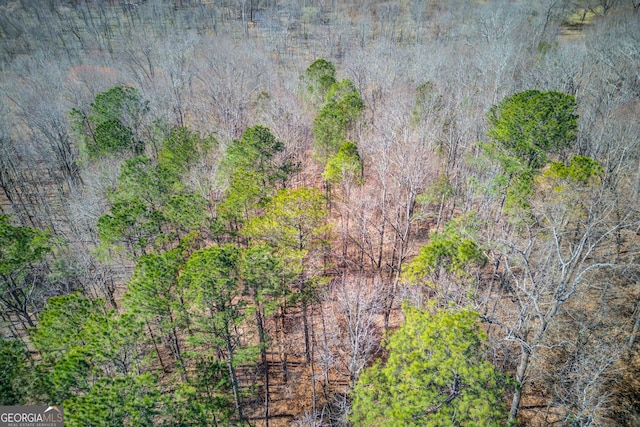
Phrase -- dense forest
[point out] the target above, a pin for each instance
(321, 213)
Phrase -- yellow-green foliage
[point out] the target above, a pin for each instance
(435, 375)
(581, 169)
(346, 165)
(453, 250)
(525, 128)
(293, 220)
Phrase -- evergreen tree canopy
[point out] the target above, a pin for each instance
(22, 249)
(293, 220)
(435, 375)
(91, 363)
(111, 123)
(342, 106)
(581, 169)
(253, 168)
(346, 165)
(318, 78)
(528, 125)
(454, 250)
(14, 367)
(20, 246)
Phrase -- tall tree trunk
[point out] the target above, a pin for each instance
(178, 353)
(636, 327)
(265, 363)
(523, 365)
(520, 374)
(232, 372)
(281, 337)
(155, 345)
(314, 398)
(305, 322)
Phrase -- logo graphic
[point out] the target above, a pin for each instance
(31, 416)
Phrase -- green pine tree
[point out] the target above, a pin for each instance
(435, 375)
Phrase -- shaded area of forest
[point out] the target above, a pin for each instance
(223, 212)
